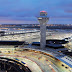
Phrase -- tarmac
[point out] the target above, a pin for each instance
(41, 62)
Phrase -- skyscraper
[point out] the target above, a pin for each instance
(43, 19)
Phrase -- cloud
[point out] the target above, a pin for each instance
(27, 20)
(68, 11)
(28, 10)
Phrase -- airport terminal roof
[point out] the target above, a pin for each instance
(12, 42)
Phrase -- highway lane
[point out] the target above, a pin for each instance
(46, 63)
(35, 61)
(7, 64)
(32, 65)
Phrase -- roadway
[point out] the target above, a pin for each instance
(10, 65)
(37, 60)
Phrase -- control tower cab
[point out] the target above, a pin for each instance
(43, 13)
(43, 19)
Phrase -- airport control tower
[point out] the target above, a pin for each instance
(43, 19)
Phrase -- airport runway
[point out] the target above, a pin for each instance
(33, 37)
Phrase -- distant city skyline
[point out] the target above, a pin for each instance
(26, 11)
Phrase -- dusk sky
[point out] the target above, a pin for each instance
(26, 11)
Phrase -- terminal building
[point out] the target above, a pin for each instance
(52, 43)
